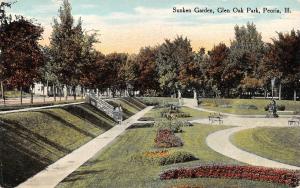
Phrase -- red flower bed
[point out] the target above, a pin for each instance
(281, 176)
(166, 138)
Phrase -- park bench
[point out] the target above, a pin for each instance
(215, 118)
(294, 121)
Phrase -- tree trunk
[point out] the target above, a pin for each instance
(31, 95)
(81, 90)
(47, 93)
(279, 96)
(21, 95)
(54, 92)
(60, 93)
(66, 92)
(295, 95)
(74, 92)
(44, 93)
(2, 92)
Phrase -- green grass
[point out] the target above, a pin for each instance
(159, 100)
(214, 104)
(15, 94)
(279, 144)
(195, 114)
(18, 106)
(30, 141)
(112, 167)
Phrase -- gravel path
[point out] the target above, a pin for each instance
(59, 170)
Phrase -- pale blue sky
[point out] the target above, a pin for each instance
(127, 25)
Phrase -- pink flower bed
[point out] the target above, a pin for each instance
(280, 176)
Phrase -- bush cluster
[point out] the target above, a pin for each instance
(163, 157)
(174, 125)
(281, 176)
(165, 138)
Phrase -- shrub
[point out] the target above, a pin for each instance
(174, 125)
(163, 157)
(165, 138)
(281, 107)
(281, 176)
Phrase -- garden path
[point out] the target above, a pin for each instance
(59, 170)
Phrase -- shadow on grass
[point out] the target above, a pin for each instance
(80, 175)
(19, 155)
(86, 115)
(70, 125)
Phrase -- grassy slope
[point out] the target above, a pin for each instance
(130, 106)
(111, 168)
(279, 144)
(17, 106)
(259, 103)
(30, 141)
(159, 100)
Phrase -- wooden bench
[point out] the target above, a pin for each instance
(215, 118)
(294, 121)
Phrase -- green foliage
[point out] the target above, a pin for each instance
(175, 125)
(163, 157)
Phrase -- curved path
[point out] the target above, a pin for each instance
(220, 142)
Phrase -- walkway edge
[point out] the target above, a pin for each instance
(220, 142)
(58, 171)
(39, 108)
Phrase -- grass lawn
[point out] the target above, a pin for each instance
(158, 100)
(18, 106)
(195, 114)
(30, 141)
(279, 144)
(112, 167)
(216, 105)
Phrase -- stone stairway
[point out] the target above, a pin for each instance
(100, 104)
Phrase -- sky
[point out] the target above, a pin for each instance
(128, 25)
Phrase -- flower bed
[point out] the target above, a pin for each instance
(163, 157)
(281, 176)
(174, 125)
(165, 138)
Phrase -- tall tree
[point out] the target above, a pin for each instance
(215, 67)
(171, 55)
(70, 47)
(24, 57)
(146, 77)
(246, 51)
(4, 21)
(282, 61)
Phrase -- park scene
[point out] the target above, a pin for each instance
(144, 103)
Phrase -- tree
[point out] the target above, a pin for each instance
(191, 74)
(171, 55)
(282, 61)
(145, 68)
(113, 74)
(246, 51)
(216, 65)
(4, 21)
(24, 58)
(70, 48)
